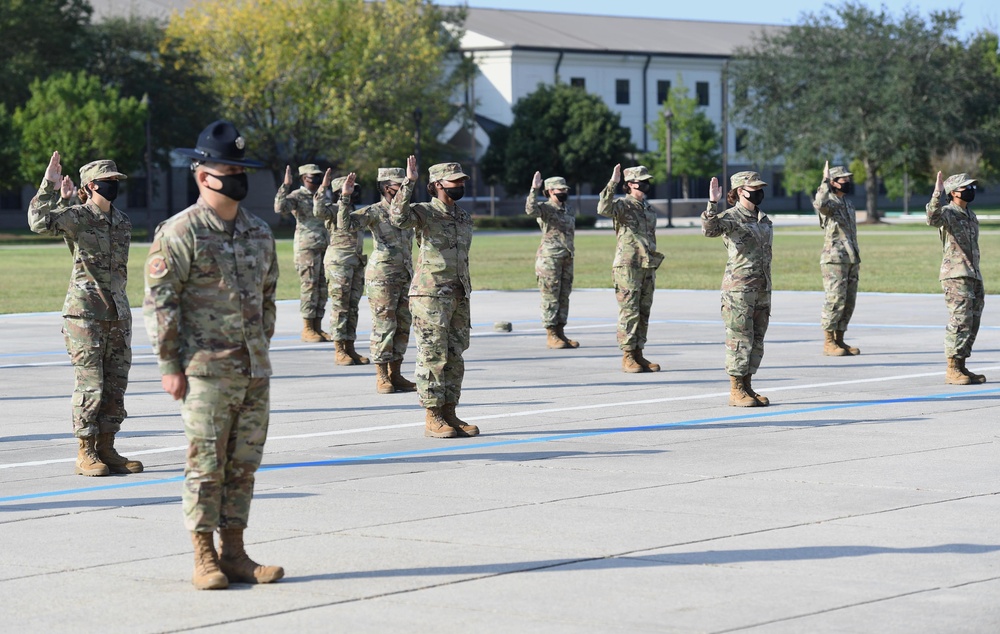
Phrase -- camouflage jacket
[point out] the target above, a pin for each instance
(346, 245)
(310, 231)
(837, 217)
(748, 236)
(209, 307)
(444, 236)
(99, 243)
(635, 226)
(558, 226)
(393, 253)
(959, 231)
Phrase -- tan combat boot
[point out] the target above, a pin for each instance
(237, 565)
(763, 401)
(435, 426)
(572, 343)
(648, 365)
(553, 341)
(463, 428)
(358, 359)
(340, 356)
(976, 378)
(738, 396)
(398, 381)
(851, 350)
(88, 463)
(382, 383)
(318, 327)
(207, 575)
(630, 364)
(830, 346)
(309, 334)
(954, 374)
(109, 455)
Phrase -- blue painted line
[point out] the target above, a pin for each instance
(520, 441)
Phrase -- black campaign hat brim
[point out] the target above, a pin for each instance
(198, 155)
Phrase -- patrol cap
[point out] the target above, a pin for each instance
(556, 182)
(957, 181)
(839, 172)
(447, 172)
(745, 179)
(637, 173)
(337, 184)
(96, 170)
(309, 168)
(393, 174)
(222, 143)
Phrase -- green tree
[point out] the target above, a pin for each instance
(696, 144)
(332, 80)
(851, 81)
(81, 119)
(558, 130)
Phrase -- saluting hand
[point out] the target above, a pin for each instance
(412, 172)
(939, 185)
(327, 178)
(53, 173)
(288, 175)
(826, 172)
(616, 175)
(536, 181)
(67, 189)
(714, 190)
(348, 187)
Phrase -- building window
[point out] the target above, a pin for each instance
(741, 139)
(621, 92)
(662, 91)
(577, 82)
(702, 89)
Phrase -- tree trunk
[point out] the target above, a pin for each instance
(871, 190)
(685, 187)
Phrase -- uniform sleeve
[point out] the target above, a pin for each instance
(402, 215)
(167, 268)
(711, 225)
(354, 220)
(823, 199)
(531, 206)
(935, 217)
(46, 216)
(323, 204)
(606, 202)
(270, 291)
(282, 203)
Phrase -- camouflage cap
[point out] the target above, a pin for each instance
(337, 184)
(957, 181)
(637, 173)
(393, 174)
(745, 179)
(839, 172)
(556, 182)
(96, 170)
(309, 168)
(447, 172)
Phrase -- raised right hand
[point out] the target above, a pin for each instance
(288, 175)
(826, 172)
(939, 185)
(327, 178)
(616, 175)
(536, 181)
(714, 190)
(53, 173)
(348, 187)
(412, 172)
(67, 189)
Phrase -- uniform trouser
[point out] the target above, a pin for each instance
(225, 421)
(634, 290)
(312, 282)
(840, 281)
(965, 298)
(101, 354)
(746, 316)
(555, 282)
(390, 304)
(441, 326)
(347, 283)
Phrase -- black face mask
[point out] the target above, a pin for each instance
(968, 194)
(755, 197)
(562, 197)
(847, 188)
(455, 193)
(235, 186)
(109, 189)
(315, 180)
(643, 187)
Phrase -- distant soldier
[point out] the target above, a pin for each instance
(345, 265)
(840, 261)
(439, 294)
(311, 239)
(211, 276)
(97, 320)
(746, 285)
(961, 279)
(554, 262)
(636, 261)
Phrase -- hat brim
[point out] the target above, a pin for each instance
(310, 173)
(647, 177)
(757, 183)
(195, 155)
(395, 179)
(456, 176)
(101, 177)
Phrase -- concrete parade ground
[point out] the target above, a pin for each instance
(865, 499)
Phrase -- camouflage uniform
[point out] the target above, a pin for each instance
(311, 238)
(210, 312)
(344, 261)
(97, 321)
(554, 261)
(840, 261)
(439, 293)
(636, 259)
(387, 276)
(746, 284)
(960, 276)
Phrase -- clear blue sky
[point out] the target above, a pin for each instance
(976, 14)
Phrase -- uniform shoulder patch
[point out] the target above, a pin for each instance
(156, 267)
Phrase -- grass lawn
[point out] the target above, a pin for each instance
(35, 275)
